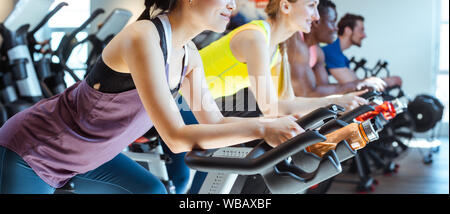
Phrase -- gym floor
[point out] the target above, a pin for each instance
(413, 177)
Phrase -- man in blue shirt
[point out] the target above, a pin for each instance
(307, 61)
(351, 32)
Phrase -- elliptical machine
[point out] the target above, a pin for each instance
(112, 25)
(19, 84)
(51, 74)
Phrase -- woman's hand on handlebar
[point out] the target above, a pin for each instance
(279, 130)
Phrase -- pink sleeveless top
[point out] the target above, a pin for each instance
(312, 52)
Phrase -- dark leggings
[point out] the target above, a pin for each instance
(121, 175)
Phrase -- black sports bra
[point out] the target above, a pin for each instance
(116, 82)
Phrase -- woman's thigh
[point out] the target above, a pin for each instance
(121, 175)
(16, 177)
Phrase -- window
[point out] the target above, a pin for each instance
(65, 21)
(443, 73)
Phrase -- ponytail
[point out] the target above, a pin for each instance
(156, 6)
(285, 88)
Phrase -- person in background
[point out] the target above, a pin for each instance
(351, 32)
(307, 60)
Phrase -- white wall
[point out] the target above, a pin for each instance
(401, 32)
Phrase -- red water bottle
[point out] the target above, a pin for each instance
(387, 109)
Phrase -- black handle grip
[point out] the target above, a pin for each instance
(318, 115)
(306, 122)
(371, 94)
(349, 116)
(360, 64)
(332, 126)
(201, 160)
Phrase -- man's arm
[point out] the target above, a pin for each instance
(343, 75)
(305, 81)
(324, 87)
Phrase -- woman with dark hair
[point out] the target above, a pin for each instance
(79, 134)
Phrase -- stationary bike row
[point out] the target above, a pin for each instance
(291, 167)
(377, 153)
(302, 170)
(422, 115)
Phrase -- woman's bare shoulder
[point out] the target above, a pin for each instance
(136, 37)
(140, 30)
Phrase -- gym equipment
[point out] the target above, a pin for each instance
(426, 111)
(148, 152)
(365, 181)
(51, 73)
(69, 41)
(15, 34)
(19, 70)
(50, 82)
(221, 180)
(422, 115)
(390, 93)
(373, 72)
(375, 112)
(287, 168)
(112, 25)
(379, 152)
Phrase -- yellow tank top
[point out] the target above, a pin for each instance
(225, 75)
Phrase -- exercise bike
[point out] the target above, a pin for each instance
(286, 169)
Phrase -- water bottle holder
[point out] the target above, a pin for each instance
(306, 170)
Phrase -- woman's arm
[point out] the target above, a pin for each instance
(251, 47)
(146, 65)
(197, 95)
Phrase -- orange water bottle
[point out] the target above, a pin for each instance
(358, 135)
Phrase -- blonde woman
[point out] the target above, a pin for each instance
(245, 57)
